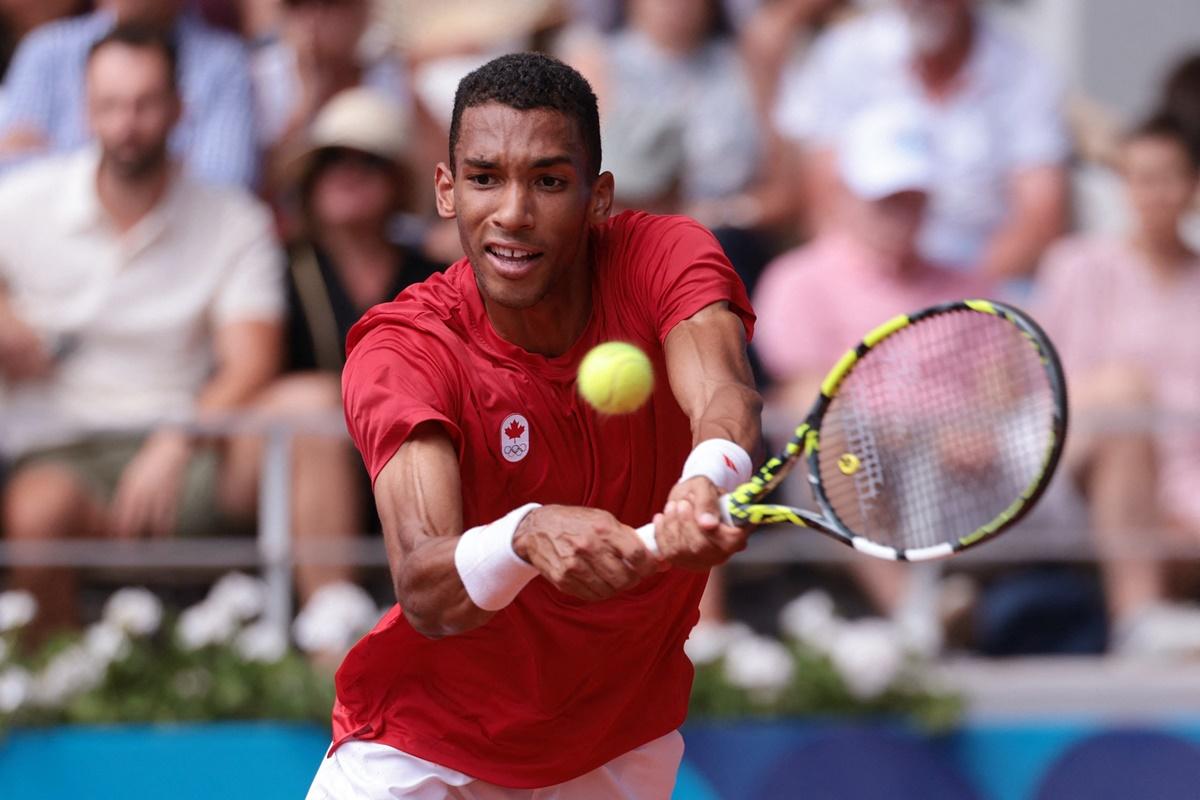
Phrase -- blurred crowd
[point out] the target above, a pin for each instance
(199, 198)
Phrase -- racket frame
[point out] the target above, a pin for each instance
(741, 506)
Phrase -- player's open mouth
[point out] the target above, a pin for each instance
(510, 261)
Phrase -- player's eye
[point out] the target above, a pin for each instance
(550, 182)
(482, 179)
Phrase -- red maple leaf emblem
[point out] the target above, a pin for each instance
(514, 430)
(729, 463)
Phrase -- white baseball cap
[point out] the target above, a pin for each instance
(886, 149)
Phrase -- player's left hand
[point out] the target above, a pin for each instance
(689, 531)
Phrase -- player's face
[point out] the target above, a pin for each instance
(131, 107)
(1160, 182)
(523, 201)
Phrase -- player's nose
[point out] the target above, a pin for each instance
(514, 211)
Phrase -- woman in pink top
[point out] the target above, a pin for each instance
(1123, 313)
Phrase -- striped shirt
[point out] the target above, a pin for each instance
(215, 140)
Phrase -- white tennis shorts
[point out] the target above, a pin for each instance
(372, 771)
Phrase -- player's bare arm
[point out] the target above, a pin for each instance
(582, 551)
(585, 552)
(711, 378)
(418, 494)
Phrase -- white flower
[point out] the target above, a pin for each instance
(869, 655)
(760, 665)
(240, 596)
(708, 641)
(106, 642)
(203, 625)
(17, 608)
(73, 671)
(135, 611)
(261, 641)
(810, 619)
(334, 617)
(15, 688)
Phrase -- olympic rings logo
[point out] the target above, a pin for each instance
(517, 450)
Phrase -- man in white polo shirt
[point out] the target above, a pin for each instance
(129, 295)
(998, 197)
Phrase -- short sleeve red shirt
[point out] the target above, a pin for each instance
(551, 687)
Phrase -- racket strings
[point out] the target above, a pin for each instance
(937, 431)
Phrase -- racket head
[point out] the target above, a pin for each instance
(939, 430)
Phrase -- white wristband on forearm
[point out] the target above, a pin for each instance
(723, 462)
(491, 571)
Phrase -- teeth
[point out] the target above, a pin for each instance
(505, 252)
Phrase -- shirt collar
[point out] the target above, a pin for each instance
(80, 204)
(81, 207)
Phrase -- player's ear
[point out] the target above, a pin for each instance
(602, 198)
(443, 187)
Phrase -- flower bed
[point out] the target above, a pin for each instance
(219, 660)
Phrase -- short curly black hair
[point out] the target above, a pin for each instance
(526, 81)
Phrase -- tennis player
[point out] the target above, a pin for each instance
(537, 647)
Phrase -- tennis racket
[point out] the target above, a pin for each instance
(938, 431)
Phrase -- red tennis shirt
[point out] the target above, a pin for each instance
(551, 687)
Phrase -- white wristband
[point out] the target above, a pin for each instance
(491, 571)
(723, 462)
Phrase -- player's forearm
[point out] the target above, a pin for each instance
(711, 378)
(733, 412)
(432, 595)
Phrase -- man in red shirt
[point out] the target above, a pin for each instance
(536, 642)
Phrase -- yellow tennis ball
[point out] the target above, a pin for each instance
(616, 378)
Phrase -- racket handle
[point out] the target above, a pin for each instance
(646, 532)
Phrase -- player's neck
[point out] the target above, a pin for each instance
(552, 325)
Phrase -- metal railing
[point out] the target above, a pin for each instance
(275, 554)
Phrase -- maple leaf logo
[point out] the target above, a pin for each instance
(729, 463)
(514, 430)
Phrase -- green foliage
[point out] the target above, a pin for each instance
(816, 689)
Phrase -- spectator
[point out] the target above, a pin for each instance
(44, 108)
(776, 41)
(132, 295)
(998, 197)
(864, 269)
(19, 17)
(681, 131)
(1122, 312)
(319, 53)
(353, 180)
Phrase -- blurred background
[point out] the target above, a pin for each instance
(195, 211)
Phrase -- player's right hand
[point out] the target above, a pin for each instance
(584, 552)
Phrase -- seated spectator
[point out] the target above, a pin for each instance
(353, 179)
(44, 108)
(19, 17)
(816, 302)
(318, 54)
(777, 39)
(132, 296)
(1122, 312)
(998, 193)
